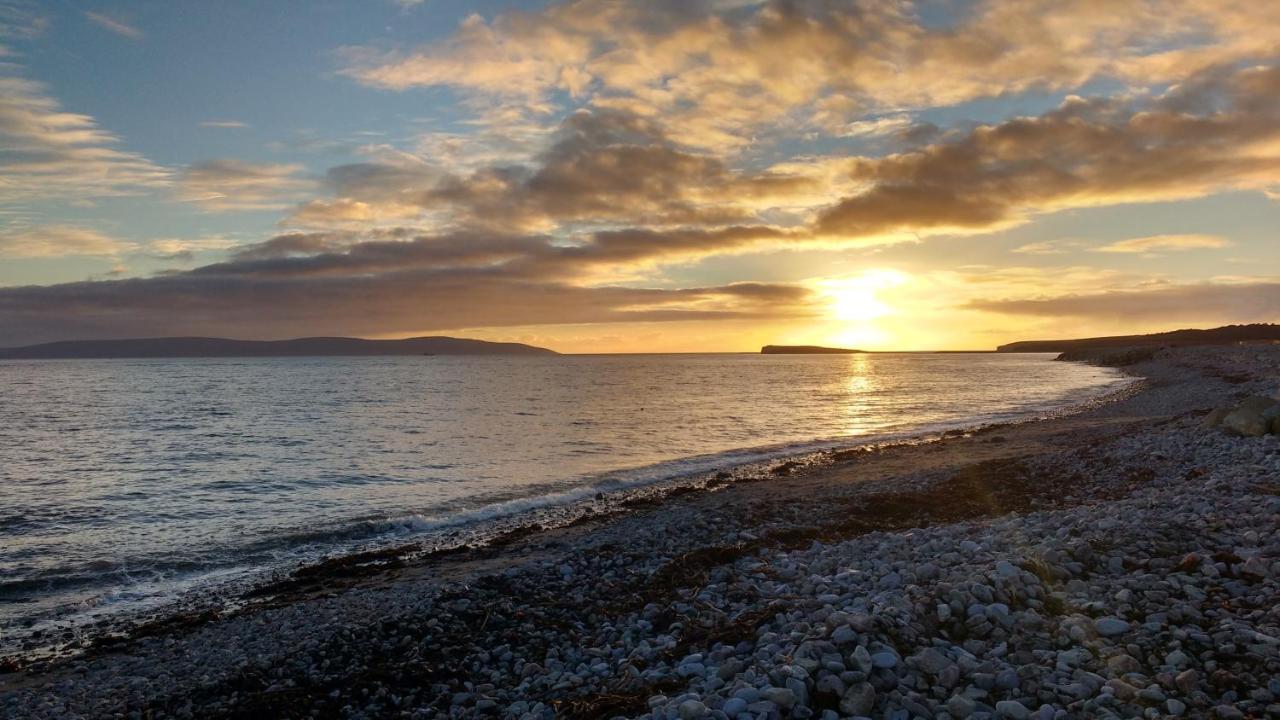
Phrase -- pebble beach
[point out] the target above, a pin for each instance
(1118, 562)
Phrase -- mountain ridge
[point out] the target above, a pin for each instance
(192, 347)
(1256, 332)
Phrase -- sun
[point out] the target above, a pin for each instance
(857, 298)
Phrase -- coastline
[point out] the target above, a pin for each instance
(104, 615)
(603, 615)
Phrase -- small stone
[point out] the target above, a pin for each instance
(1110, 626)
(692, 710)
(861, 659)
(1255, 566)
(1190, 562)
(884, 659)
(1013, 710)
(932, 661)
(1176, 707)
(734, 707)
(960, 706)
(1226, 712)
(1187, 680)
(782, 697)
(844, 635)
(1123, 664)
(859, 699)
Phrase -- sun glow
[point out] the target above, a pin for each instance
(855, 303)
(858, 298)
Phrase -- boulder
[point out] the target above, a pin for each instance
(1215, 417)
(1249, 418)
(1272, 416)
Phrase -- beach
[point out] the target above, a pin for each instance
(1120, 561)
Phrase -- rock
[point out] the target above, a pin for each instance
(1122, 689)
(1215, 417)
(859, 699)
(1123, 664)
(932, 661)
(692, 710)
(1110, 626)
(1226, 712)
(1176, 707)
(884, 659)
(1013, 710)
(782, 697)
(960, 706)
(733, 707)
(1187, 680)
(1190, 562)
(1249, 418)
(844, 635)
(1007, 679)
(1255, 566)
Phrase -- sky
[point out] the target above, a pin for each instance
(661, 176)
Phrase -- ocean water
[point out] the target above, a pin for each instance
(126, 482)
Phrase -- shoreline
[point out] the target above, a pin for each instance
(221, 591)
(603, 616)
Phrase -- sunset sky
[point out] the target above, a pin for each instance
(599, 176)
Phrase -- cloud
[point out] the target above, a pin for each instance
(184, 249)
(53, 241)
(1256, 301)
(115, 25)
(232, 304)
(228, 184)
(1155, 243)
(602, 168)
(721, 71)
(226, 124)
(48, 153)
(1048, 247)
(887, 125)
(1216, 132)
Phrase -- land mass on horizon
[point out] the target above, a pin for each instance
(805, 350)
(179, 347)
(1228, 334)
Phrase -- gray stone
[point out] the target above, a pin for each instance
(1110, 626)
(932, 661)
(692, 710)
(884, 659)
(782, 697)
(960, 706)
(859, 699)
(1013, 710)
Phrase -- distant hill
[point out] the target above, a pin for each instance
(804, 350)
(180, 347)
(1217, 336)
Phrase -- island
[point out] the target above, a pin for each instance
(805, 350)
(1263, 333)
(192, 347)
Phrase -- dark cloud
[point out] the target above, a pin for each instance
(1206, 302)
(324, 283)
(604, 167)
(1087, 152)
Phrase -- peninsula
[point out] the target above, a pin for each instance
(805, 350)
(185, 347)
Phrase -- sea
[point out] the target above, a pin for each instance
(126, 485)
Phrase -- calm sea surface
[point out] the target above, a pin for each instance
(126, 481)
